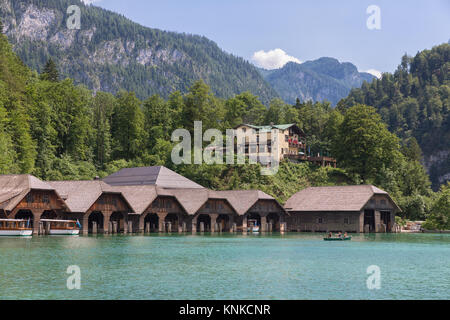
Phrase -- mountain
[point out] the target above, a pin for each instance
(110, 52)
(324, 78)
(414, 101)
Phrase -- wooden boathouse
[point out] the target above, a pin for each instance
(23, 196)
(359, 208)
(157, 199)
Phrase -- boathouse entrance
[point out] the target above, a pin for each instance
(26, 215)
(273, 221)
(95, 222)
(118, 223)
(385, 218)
(171, 222)
(369, 220)
(151, 222)
(223, 222)
(253, 219)
(204, 223)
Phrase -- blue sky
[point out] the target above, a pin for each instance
(301, 30)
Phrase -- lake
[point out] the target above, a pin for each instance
(227, 266)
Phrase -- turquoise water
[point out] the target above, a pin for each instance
(291, 266)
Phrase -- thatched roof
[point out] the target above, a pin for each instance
(158, 176)
(14, 187)
(81, 195)
(337, 198)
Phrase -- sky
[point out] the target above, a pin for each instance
(270, 33)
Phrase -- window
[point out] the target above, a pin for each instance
(30, 198)
(319, 220)
(244, 129)
(220, 206)
(286, 138)
(45, 198)
(383, 202)
(207, 205)
(168, 205)
(346, 220)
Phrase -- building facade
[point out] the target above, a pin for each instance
(290, 143)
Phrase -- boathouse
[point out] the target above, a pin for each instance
(358, 208)
(95, 204)
(163, 201)
(24, 196)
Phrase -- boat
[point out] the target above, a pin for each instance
(337, 239)
(253, 226)
(15, 227)
(62, 227)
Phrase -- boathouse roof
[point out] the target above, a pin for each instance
(14, 187)
(81, 195)
(157, 175)
(336, 198)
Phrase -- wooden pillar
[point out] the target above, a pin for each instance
(141, 225)
(231, 222)
(94, 227)
(244, 224)
(377, 221)
(213, 217)
(125, 223)
(263, 224)
(194, 225)
(147, 227)
(107, 228)
(85, 223)
(37, 213)
(161, 221)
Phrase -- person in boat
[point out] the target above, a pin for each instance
(345, 235)
(330, 235)
(340, 234)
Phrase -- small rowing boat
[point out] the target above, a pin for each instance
(337, 239)
(15, 227)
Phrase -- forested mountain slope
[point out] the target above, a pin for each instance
(415, 103)
(111, 52)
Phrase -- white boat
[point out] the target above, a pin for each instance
(253, 225)
(15, 227)
(62, 227)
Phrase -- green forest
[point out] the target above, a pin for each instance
(55, 130)
(414, 102)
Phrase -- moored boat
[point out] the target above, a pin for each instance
(15, 227)
(62, 227)
(338, 239)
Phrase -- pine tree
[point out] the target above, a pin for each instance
(50, 72)
(1, 26)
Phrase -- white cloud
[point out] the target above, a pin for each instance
(374, 72)
(272, 59)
